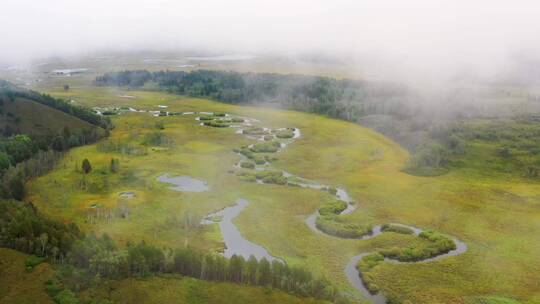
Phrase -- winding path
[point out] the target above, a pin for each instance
(236, 244)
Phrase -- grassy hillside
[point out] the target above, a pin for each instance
(480, 209)
(29, 117)
(17, 285)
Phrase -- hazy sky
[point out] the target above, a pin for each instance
(425, 34)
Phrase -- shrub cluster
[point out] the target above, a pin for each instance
(396, 229)
(335, 225)
(365, 265)
(254, 131)
(247, 165)
(271, 177)
(266, 147)
(438, 244)
(332, 208)
(287, 133)
(258, 159)
(218, 123)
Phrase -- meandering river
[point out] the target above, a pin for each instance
(235, 243)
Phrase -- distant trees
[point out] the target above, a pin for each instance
(345, 99)
(433, 155)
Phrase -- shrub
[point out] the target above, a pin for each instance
(247, 165)
(32, 261)
(271, 177)
(504, 152)
(438, 244)
(206, 118)
(248, 177)
(364, 266)
(266, 147)
(245, 151)
(334, 225)
(331, 190)
(259, 160)
(159, 125)
(334, 207)
(288, 133)
(86, 167)
(217, 123)
(237, 119)
(254, 131)
(396, 229)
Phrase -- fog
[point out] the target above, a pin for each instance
(382, 38)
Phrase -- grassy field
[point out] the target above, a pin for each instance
(18, 285)
(497, 217)
(172, 289)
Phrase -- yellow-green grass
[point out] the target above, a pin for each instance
(499, 219)
(175, 289)
(18, 285)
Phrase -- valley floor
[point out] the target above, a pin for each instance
(498, 218)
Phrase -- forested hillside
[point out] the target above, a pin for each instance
(36, 130)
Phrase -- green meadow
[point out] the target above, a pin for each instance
(495, 215)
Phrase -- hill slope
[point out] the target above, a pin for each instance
(19, 286)
(25, 116)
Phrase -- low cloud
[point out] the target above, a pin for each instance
(421, 37)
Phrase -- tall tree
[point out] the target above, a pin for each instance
(86, 167)
(251, 270)
(265, 276)
(236, 265)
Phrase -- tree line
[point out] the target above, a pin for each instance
(339, 98)
(23, 157)
(24, 228)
